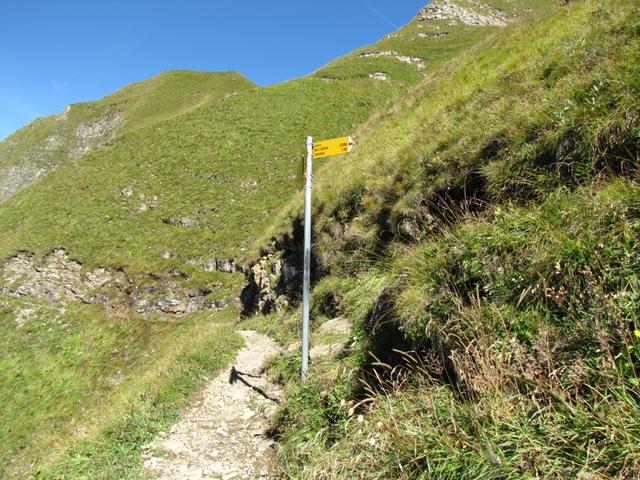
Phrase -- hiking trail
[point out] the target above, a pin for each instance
(223, 433)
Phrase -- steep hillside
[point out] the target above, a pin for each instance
(483, 240)
(49, 142)
(441, 29)
(121, 266)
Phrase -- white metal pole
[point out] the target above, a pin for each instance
(307, 260)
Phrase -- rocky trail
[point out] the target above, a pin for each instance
(223, 434)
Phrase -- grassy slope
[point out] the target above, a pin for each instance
(435, 51)
(201, 163)
(196, 166)
(88, 390)
(70, 371)
(489, 218)
(54, 140)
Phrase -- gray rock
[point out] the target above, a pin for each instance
(418, 62)
(482, 14)
(339, 325)
(181, 221)
(226, 265)
(379, 76)
(327, 351)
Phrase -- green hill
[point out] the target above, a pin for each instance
(497, 152)
(483, 239)
(49, 142)
(113, 257)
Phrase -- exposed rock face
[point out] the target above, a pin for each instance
(46, 155)
(338, 325)
(92, 135)
(59, 278)
(419, 63)
(170, 298)
(379, 76)
(332, 350)
(16, 177)
(465, 12)
(143, 202)
(432, 34)
(224, 265)
(62, 116)
(269, 284)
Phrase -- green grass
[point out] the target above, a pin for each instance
(488, 221)
(227, 162)
(210, 147)
(83, 389)
(196, 167)
(203, 166)
(435, 51)
(54, 140)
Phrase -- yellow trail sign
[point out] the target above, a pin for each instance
(335, 146)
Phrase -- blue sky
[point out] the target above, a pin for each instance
(57, 52)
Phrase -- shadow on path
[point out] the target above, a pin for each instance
(236, 375)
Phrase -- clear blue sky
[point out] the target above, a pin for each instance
(57, 52)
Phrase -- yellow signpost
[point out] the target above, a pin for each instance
(335, 146)
(326, 148)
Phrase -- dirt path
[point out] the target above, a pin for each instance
(222, 435)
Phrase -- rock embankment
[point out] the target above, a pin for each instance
(60, 279)
(269, 283)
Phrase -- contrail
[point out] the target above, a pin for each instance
(376, 12)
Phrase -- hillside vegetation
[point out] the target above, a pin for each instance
(51, 141)
(484, 241)
(124, 222)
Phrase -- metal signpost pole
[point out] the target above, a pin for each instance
(326, 148)
(307, 260)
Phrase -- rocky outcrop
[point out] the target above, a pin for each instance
(66, 141)
(170, 298)
(432, 34)
(226, 265)
(418, 62)
(16, 177)
(269, 284)
(223, 265)
(379, 76)
(463, 12)
(140, 202)
(59, 278)
(274, 281)
(91, 135)
(337, 326)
